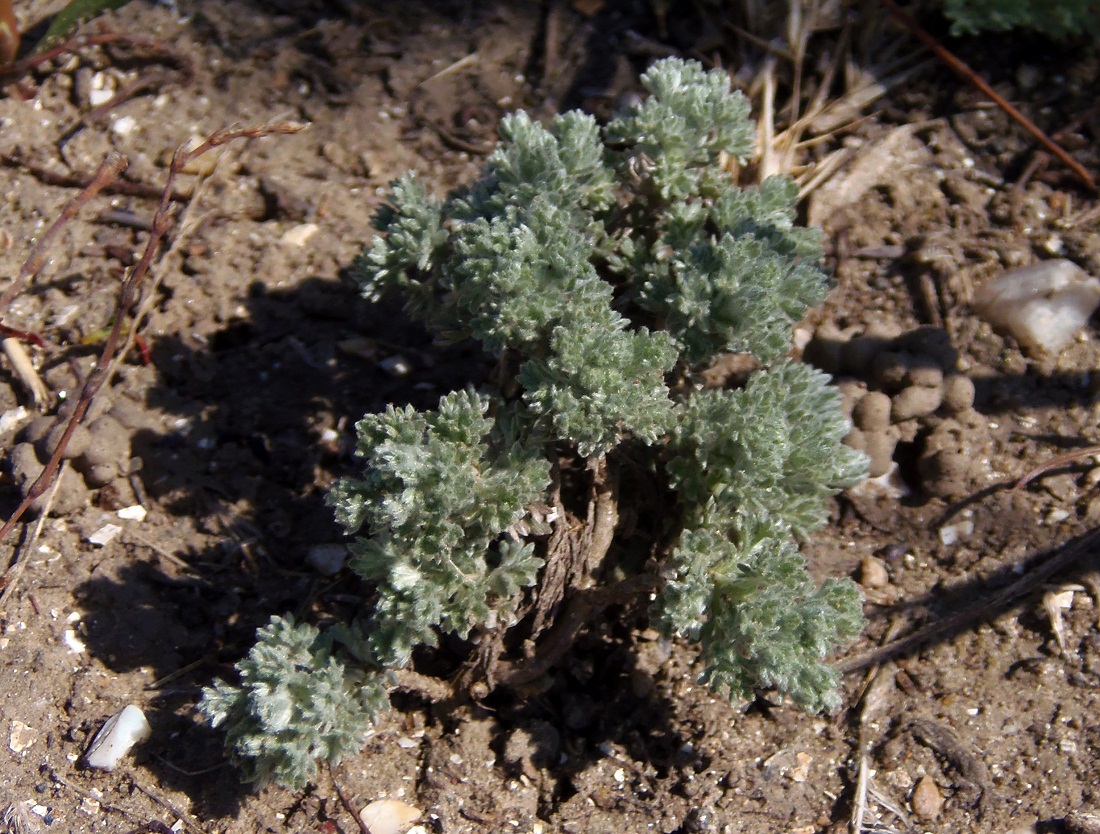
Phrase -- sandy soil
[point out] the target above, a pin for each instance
(261, 357)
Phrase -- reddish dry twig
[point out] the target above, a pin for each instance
(346, 802)
(17, 69)
(80, 180)
(22, 335)
(1054, 463)
(128, 292)
(181, 68)
(995, 604)
(578, 612)
(107, 172)
(964, 71)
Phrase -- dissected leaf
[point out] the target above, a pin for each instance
(603, 270)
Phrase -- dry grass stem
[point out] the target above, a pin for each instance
(14, 571)
(24, 369)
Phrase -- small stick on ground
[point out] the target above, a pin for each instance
(1070, 553)
(107, 172)
(128, 292)
(24, 369)
(960, 68)
(1054, 463)
(58, 779)
(14, 571)
(48, 176)
(343, 797)
(163, 801)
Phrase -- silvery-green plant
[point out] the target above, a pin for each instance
(605, 269)
(1060, 19)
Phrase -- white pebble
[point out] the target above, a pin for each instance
(135, 512)
(396, 366)
(124, 126)
(98, 97)
(12, 418)
(121, 732)
(75, 644)
(21, 736)
(951, 533)
(1042, 306)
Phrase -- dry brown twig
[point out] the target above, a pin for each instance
(68, 179)
(1067, 555)
(19, 562)
(345, 801)
(128, 295)
(1054, 463)
(153, 48)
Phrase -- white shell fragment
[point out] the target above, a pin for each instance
(21, 736)
(104, 535)
(121, 732)
(299, 235)
(388, 816)
(1042, 306)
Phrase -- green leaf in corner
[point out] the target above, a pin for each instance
(77, 12)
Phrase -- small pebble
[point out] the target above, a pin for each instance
(328, 559)
(873, 573)
(926, 800)
(135, 512)
(299, 235)
(915, 401)
(11, 418)
(890, 370)
(958, 393)
(880, 446)
(104, 535)
(872, 412)
(396, 366)
(21, 736)
(388, 816)
(124, 126)
(951, 533)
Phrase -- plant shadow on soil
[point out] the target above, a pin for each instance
(258, 409)
(249, 464)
